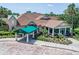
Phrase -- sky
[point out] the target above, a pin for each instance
(56, 8)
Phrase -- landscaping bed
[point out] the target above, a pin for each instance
(54, 39)
(43, 35)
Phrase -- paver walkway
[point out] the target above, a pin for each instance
(74, 47)
(18, 48)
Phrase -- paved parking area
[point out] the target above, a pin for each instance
(18, 48)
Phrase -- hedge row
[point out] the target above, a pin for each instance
(6, 34)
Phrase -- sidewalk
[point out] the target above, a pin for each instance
(74, 42)
(49, 44)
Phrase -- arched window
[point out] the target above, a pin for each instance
(32, 23)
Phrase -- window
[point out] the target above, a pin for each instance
(56, 31)
(67, 31)
(62, 31)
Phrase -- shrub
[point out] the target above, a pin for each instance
(76, 30)
(41, 38)
(76, 36)
(56, 39)
(44, 31)
(6, 34)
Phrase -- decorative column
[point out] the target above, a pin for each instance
(52, 31)
(65, 32)
(59, 30)
(27, 36)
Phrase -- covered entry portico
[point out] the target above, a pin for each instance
(26, 31)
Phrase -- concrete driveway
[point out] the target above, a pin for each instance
(18, 48)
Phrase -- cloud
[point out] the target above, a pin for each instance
(28, 8)
(50, 5)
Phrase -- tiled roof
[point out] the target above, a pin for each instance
(53, 23)
(24, 19)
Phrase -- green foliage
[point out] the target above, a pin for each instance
(71, 10)
(50, 14)
(76, 36)
(3, 26)
(41, 38)
(4, 12)
(71, 15)
(15, 14)
(28, 12)
(49, 38)
(55, 39)
(44, 31)
(6, 34)
(76, 30)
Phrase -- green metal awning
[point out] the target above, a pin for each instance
(27, 29)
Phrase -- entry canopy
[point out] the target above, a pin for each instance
(28, 29)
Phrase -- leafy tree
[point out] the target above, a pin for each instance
(4, 12)
(3, 26)
(16, 14)
(50, 14)
(28, 12)
(71, 15)
(71, 11)
(9, 12)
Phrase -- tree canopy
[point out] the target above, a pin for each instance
(4, 12)
(71, 15)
